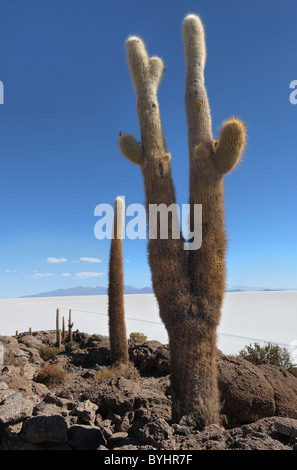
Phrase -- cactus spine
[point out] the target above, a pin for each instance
(189, 286)
(116, 312)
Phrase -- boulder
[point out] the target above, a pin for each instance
(151, 357)
(287, 427)
(12, 376)
(30, 341)
(120, 396)
(246, 395)
(15, 408)
(284, 386)
(156, 433)
(117, 439)
(83, 437)
(117, 395)
(46, 429)
(85, 412)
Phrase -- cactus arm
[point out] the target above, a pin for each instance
(130, 148)
(170, 285)
(206, 266)
(230, 145)
(146, 74)
(196, 99)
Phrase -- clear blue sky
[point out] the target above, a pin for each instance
(68, 93)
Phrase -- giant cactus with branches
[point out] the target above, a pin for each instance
(189, 285)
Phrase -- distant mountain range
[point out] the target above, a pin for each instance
(99, 290)
(252, 289)
(80, 290)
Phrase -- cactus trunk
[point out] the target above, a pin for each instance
(70, 326)
(193, 373)
(116, 312)
(57, 326)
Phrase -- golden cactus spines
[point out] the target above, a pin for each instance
(116, 310)
(230, 145)
(145, 71)
(201, 153)
(189, 285)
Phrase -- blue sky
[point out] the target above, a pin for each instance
(68, 93)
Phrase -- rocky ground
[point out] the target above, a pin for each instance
(75, 400)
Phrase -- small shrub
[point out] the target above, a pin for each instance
(271, 354)
(135, 338)
(48, 352)
(12, 360)
(120, 369)
(51, 375)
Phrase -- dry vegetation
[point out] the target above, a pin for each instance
(123, 369)
(51, 375)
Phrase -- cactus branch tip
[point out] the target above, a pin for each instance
(130, 148)
(119, 203)
(193, 26)
(231, 144)
(194, 39)
(192, 18)
(135, 45)
(133, 38)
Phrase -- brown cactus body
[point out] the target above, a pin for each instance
(116, 311)
(70, 327)
(189, 286)
(57, 326)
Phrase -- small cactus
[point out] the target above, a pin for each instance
(57, 325)
(59, 342)
(63, 328)
(70, 326)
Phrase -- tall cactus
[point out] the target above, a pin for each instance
(116, 311)
(189, 286)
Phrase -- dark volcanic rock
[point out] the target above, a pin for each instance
(259, 403)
